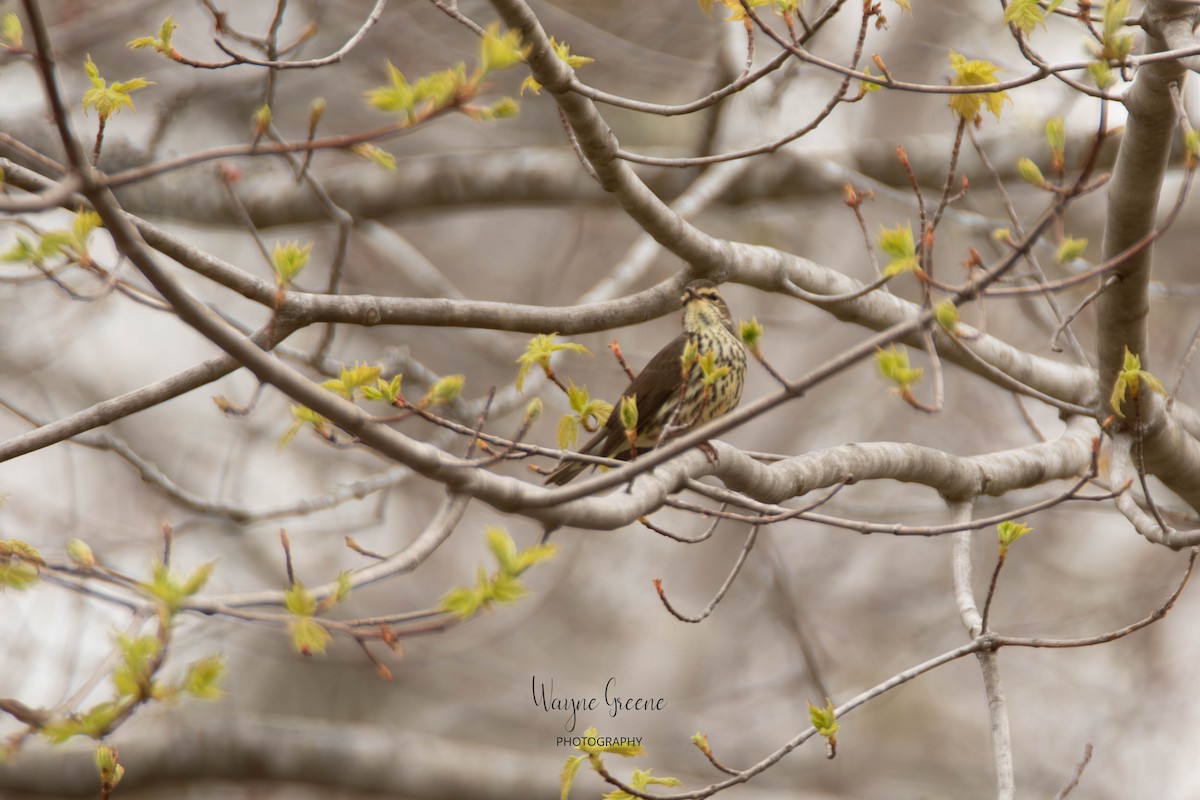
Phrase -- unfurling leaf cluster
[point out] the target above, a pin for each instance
(590, 745)
(539, 351)
(587, 414)
(501, 586)
(1008, 532)
(108, 99)
(969, 72)
(893, 365)
(71, 244)
(1129, 382)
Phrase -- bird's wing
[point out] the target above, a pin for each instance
(652, 387)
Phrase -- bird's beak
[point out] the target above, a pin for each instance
(690, 294)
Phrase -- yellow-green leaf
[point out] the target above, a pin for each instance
(500, 50)
(1008, 532)
(567, 776)
(567, 432)
(299, 601)
(289, 259)
(898, 245)
(11, 35)
(203, 678)
(1029, 172)
(823, 719)
(308, 636)
(1070, 249)
(968, 72)
(1025, 14)
(538, 352)
(893, 365)
(628, 412)
(106, 99)
(445, 390)
(946, 314)
(372, 153)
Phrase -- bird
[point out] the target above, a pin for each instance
(659, 389)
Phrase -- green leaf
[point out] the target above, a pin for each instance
(1025, 14)
(1129, 381)
(445, 390)
(689, 357)
(534, 555)
(1056, 138)
(22, 551)
(823, 719)
(974, 73)
(442, 88)
(80, 553)
(11, 35)
(1008, 532)
(352, 381)
(503, 548)
(641, 779)
(567, 776)
(1029, 172)
(106, 99)
(308, 636)
(499, 51)
(161, 43)
(21, 251)
(343, 587)
(372, 153)
(629, 412)
(897, 243)
(262, 120)
(946, 314)
(868, 86)
(288, 260)
(109, 770)
(387, 391)
(1191, 147)
(60, 730)
(17, 575)
(709, 370)
(98, 718)
(893, 365)
(504, 108)
(1115, 40)
(462, 601)
(538, 352)
(204, 678)
(751, 333)
(171, 589)
(563, 51)
(1070, 249)
(303, 415)
(567, 432)
(506, 589)
(1101, 73)
(397, 96)
(131, 676)
(195, 582)
(82, 226)
(299, 601)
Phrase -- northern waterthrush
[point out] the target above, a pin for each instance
(671, 395)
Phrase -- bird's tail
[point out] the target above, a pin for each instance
(566, 473)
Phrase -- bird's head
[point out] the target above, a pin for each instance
(703, 306)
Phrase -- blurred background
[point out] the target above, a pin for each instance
(504, 212)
